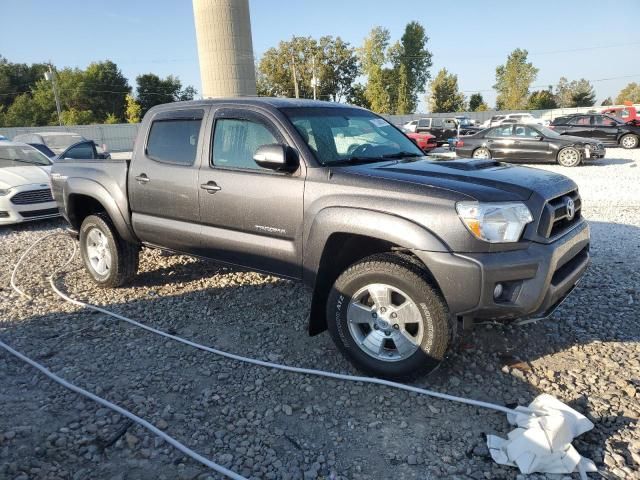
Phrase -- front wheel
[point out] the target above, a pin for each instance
(569, 157)
(481, 152)
(387, 319)
(111, 261)
(629, 141)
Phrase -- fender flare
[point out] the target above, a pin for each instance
(90, 188)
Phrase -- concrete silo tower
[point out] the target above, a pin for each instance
(225, 50)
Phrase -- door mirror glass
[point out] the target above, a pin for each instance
(277, 157)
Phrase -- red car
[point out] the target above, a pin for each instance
(628, 113)
(425, 141)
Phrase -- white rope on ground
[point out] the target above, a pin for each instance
(533, 415)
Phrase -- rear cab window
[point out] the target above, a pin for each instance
(174, 135)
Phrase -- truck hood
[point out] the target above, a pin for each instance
(17, 176)
(483, 180)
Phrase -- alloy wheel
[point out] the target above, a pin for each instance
(98, 251)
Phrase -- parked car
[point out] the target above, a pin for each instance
(411, 126)
(54, 144)
(529, 143)
(609, 130)
(443, 129)
(425, 141)
(396, 248)
(628, 113)
(25, 192)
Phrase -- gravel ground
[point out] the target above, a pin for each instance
(274, 425)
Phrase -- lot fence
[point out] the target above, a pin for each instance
(120, 137)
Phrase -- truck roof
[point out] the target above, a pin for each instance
(274, 102)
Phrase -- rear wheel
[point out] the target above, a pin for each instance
(111, 261)
(481, 152)
(629, 141)
(569, 157)
(387, 319)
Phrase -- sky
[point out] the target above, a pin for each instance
(593, 39)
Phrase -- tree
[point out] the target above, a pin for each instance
(74, 116)
(373, 56)
(577, 93)
(607, 102)
(412, 61)
(17, 78)
(132, 111)
(445, 96)
(630, 93)
(153, 90)
(477, 104)
(106, 89)
(111, 119)
(357, 96)
(541, 100)
(513, 80)
(336, 68)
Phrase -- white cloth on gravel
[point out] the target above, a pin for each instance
(542, 442)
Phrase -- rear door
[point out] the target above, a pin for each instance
(579, 126)
(251, 216)
(163, 176)
(500, 141)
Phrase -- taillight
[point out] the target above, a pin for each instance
(459, 144)
(551, 126)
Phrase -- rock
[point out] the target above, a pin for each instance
(287, 409)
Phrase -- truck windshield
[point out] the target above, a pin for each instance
(344, 135)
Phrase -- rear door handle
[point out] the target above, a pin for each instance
(142, 178)
(211, 187)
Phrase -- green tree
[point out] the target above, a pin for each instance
(607, 102)
(513, 80)
(24, 112)
(475, 102)
(445, 96)
(17, 78)
(105, 89)
(111, 119)
(583, 94)
(630, 93)
(541, 100)
(357, 96)
(132, 111)
(404, 102)
(153, 90)
(416, 60)
(336, 68)
(373, 56)
(74, 116)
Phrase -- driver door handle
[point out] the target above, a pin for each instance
(142, 178)
(211, 187)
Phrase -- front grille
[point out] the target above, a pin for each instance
(32, 196)
(555, 216)
(40, 213)
(568, 268)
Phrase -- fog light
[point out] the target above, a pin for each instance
(497, 291)
(4, 214)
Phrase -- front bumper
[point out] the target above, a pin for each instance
(11, 213)
(535, 280)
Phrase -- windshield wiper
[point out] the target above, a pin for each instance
(354, 160)
(401, 155)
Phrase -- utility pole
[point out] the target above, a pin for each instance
(295, 76)
(50, 76)
(314, 79)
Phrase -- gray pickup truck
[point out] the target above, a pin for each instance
(397, 249)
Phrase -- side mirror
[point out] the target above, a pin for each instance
(277, 157)
(539, 137)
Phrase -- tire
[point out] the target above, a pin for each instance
(481, 152)
(111, 261)
(408, 331)
(569, 157)
(629, 141)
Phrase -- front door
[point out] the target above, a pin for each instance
(251, 216)
(530, 144)
(163, 178)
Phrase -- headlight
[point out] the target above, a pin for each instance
(495, 222)
(4, 191)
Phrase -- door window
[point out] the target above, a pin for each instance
(174, 140)
(424, 123)
(581, 121)
(502, 131)
(605, 121)
(81, 151)
(526, 132)
(450, 124)
(235, 142)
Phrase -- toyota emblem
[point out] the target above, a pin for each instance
(571, 208)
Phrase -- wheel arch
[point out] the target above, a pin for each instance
(340, 237)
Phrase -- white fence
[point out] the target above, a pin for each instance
(118, 137)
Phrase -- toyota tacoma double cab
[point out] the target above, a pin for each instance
(397, 249)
